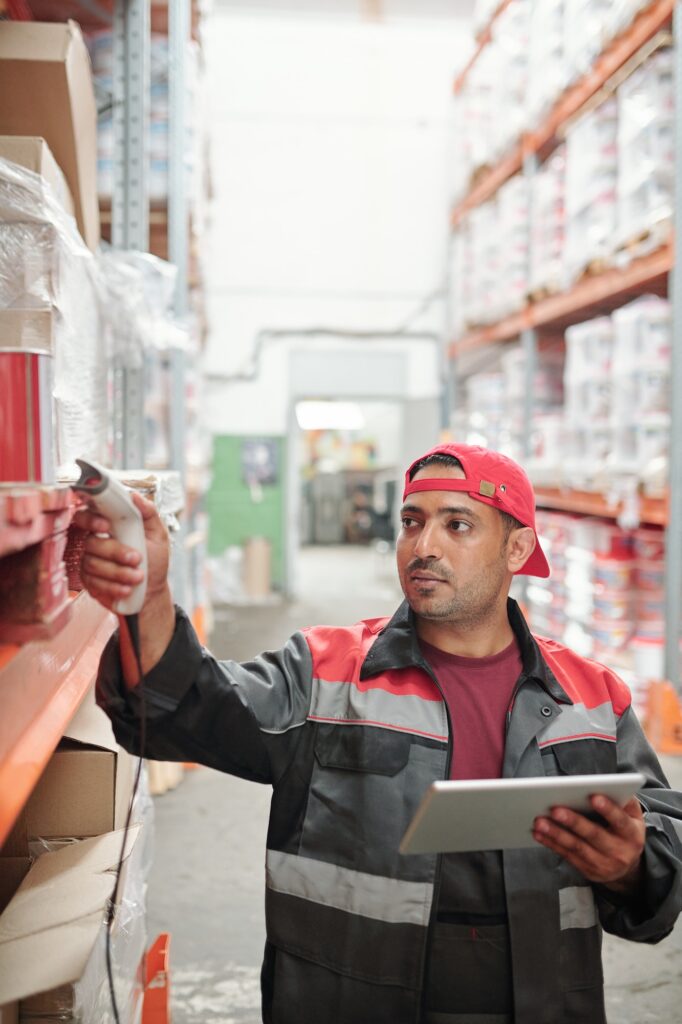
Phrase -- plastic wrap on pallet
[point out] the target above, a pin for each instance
(140, 292)
(548, 225)
(45, 266)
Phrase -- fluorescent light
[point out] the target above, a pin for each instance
(329, 416)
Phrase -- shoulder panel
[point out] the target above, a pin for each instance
(585, 681)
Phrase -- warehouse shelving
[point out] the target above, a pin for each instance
(600, 292)
(647, 24)
(95, 14)
(652, 511)
(594, 295)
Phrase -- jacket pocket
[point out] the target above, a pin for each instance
(580, 757)
(365, 787)
(362, 749)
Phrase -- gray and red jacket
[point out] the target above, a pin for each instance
(349, 727)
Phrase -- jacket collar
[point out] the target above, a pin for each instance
(397, 646)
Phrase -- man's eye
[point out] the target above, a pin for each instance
(459, 526)
(407, 521)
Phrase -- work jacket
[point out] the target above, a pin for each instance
(349, 727)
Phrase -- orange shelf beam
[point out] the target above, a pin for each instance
(490, 182)
(482, 40)
(43, 683)
(593, 295)
(645, 26)
(653, 511)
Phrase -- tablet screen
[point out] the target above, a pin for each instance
(498, 814)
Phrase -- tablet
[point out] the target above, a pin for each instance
(498, 814)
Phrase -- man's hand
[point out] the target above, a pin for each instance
(609, 854)
(109, 569)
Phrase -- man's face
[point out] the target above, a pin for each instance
(451, 553)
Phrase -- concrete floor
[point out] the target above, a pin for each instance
(207, 882)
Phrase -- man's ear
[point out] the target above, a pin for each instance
(520, 546)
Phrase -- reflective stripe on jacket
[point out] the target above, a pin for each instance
(349, 727)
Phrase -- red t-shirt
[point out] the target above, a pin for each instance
(478, 692)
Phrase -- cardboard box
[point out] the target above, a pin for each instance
(9, 1013)
(34, 154)
(86, 787)
(28, 330)
(50, 929)
(13, 871)
(46, 90)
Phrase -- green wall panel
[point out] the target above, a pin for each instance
(234, 515)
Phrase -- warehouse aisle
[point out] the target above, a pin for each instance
(208, 889)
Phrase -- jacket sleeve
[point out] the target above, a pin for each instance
(239, 718)
(651, 914)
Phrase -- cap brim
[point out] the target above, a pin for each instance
(537, 564)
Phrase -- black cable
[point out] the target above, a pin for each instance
(134, 633)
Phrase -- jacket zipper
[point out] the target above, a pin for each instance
(439, 861)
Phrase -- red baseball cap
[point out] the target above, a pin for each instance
(492, 478)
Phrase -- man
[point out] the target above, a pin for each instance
(351, 725)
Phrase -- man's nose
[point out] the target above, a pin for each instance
(428, 544)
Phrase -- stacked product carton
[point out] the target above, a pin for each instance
(547, 225)
(62, 856)
(591, 190)
(646, 169)
(49, 291)
(617, 394)
(605, 595)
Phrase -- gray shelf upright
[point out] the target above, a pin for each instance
(673, 538)
(130, 199)
(179, 13)
(178, 211)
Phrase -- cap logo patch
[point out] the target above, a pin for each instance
(487, 489)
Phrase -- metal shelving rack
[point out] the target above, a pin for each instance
(130, 203)
(592, 296)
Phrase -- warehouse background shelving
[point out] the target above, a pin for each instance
(644, 266)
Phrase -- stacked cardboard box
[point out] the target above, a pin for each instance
(57, 874)
(52, 361)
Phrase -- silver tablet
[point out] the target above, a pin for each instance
(498, 814)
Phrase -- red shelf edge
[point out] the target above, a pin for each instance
(53, 676)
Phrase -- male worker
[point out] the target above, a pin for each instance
(351, 725)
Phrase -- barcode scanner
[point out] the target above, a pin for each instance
(111, 499)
